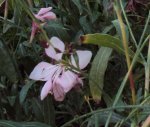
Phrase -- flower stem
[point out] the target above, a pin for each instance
(125, 45)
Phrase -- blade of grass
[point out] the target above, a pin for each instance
(125, 45)
(104, 110)
(147, 71)
(139, 49)
(145, 28)
(135, 110)
(130, 30)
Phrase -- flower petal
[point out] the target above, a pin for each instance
(58, 92)
(67, 80)
(44, 10)
(46, 89)
(48, 16)
(39, 17)
(58, 56)
(84, 58)
(58, 44)
(50, 51)
(43, 71)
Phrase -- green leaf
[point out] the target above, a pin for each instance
(8, 65)
(118, 29)
(107, 41)
(24, 90)
(49, 111)
(79, 5)
(97, 72)
(37, 109)
(84, 24)
(56, 28)
(103, 40)
(54, 24)
(5, 123)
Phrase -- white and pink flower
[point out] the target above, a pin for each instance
(59, 78)
(43, 15)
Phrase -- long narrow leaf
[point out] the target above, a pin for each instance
(97, 72)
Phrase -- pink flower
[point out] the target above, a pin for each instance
(59, 78)
(43, 15)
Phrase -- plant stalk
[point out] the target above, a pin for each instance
(125, 45)
(147, 71)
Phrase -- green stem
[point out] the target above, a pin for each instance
(6, 9)
(125, 45)
(130, 30)
(145, 28)
(135, 110)
(147, 71)
(30, 3)
(88, 6)
(25, 7)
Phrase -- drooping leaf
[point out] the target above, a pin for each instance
(97, 72)
(107, 41)
(5, 123)
(103, 40)
(8, 65)
(24, 90)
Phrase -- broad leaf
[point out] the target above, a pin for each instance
(103, 40)
(107, 41)
(97, 72)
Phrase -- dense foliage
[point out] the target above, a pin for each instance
(115, 89)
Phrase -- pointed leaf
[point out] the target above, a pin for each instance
(97, 72)
(107, 41)
(24, 90)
